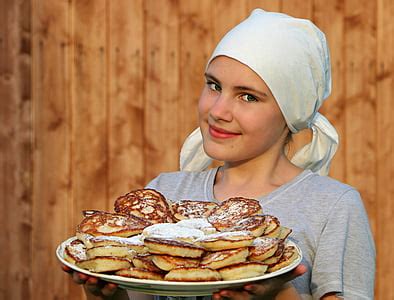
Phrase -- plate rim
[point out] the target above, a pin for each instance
(205, 286)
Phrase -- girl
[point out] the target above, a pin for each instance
(265, 81)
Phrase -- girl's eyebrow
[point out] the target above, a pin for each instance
(209, 76)
(239, 88)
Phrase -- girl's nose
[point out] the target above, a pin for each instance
(222, 108)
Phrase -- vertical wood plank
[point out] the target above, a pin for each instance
(51, 116)
(15, 151)
(268, 5)
(298, 8)
(161, 87)
(195, 49)
(329, 17)
(384, 150)
(227, 14)
(360, 111)
(126, 97)
(89, 107)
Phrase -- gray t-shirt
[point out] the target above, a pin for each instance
(329, 224)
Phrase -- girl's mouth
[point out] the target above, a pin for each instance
(220, 133)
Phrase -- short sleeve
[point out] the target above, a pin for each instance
(345, 257)
(153, 183)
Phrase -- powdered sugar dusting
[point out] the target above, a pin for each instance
(172, 231)
(78, 250)
(264, 242)
(198, 223)
(234, 209)
(228, 235)
(134, 240)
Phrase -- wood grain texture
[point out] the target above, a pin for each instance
(16, 162)
(196, 22)
(298, 8)
(89, 106)
(161, 113)
(52, 212)
(125, 44)
(226, 14)
(268, 5)
(384, 151)
(104, 99)
(360, 111)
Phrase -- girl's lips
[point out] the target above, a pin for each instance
(221, 133)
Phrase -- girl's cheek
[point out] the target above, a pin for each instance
(203, 104)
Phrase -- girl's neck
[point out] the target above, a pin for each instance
(255, 177)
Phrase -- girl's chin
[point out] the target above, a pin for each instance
(220, 154)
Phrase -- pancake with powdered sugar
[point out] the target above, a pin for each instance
(148, 204)
(264, 248)
(226, 240)
(230, 211)
(189, 209)
(172, 231)
(104, 223)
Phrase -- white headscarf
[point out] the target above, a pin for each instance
(292, 57)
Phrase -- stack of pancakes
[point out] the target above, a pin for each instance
(148, 237)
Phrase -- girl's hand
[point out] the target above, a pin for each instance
(266, 289)
(94, 285)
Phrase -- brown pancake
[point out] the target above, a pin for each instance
(226, 240)
(112, 251)
(189, 209)
(134, 243)
(242, 270)
(148, 204)
(220, 259)
(272, 226)
(193, 274)
(284, 232)
(172, 247)
(255, 224)
(139, 274)
(277, 255)
(264, 248)
(105, 223)
(75, 252)
(144, 261)
(104, 264)
(230, 211)
(167, 262)
(289, 255)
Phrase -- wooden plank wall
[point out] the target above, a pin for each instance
(97, 96)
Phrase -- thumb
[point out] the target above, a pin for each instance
(271, 285)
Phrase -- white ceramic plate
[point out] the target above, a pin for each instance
(169, 288)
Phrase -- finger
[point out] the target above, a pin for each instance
(234, 295)
(274, 284)
(258, 289)
(92, 281)
(216, 296)
(298, 271)
(79, 277)
(93, 286)
(109, 289)
(67, 269)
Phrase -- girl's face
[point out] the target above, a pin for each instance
(239, 117)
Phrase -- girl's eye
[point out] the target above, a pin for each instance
(214, 86)
(248, 98)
